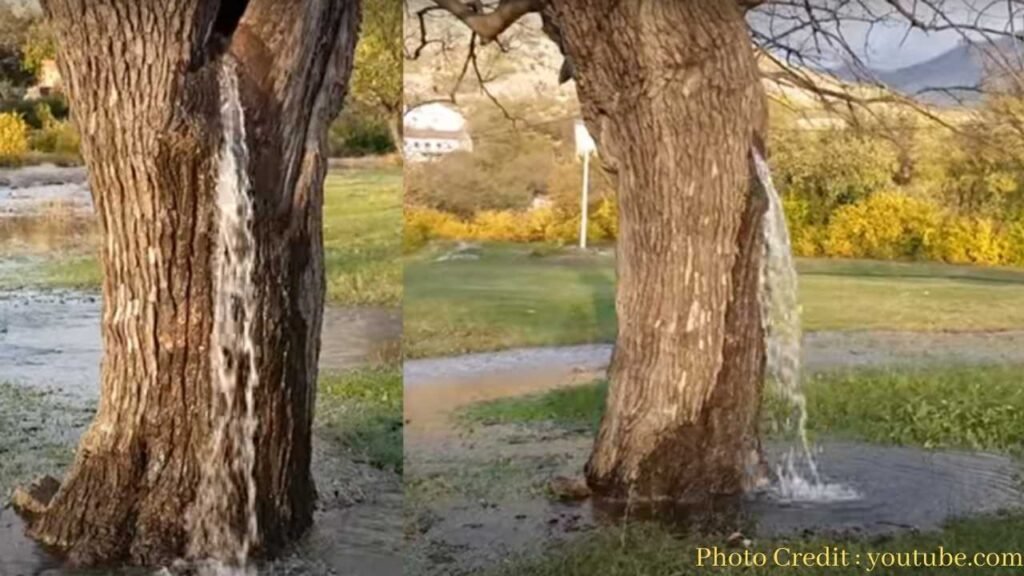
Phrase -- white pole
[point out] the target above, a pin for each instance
(583, 203)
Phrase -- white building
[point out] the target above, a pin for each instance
(432, 130)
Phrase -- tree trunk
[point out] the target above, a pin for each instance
(142, 78)
(672, 94)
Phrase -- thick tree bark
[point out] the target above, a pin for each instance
(670, 90)
(142, 81)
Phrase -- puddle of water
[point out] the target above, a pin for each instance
(50, 340)
(353, 336)
(898, 489)
(38, 199)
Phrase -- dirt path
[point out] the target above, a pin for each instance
(822, 351)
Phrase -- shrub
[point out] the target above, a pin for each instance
(1014, 254)
(829, 169)
(888, 225)
(359, 132)
(972, 241)
(55, 136)
(422, 225)
(804, 236)
(54, 107)
(13, 136)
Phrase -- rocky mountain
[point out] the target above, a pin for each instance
(951, 77)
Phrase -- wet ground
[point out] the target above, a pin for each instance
(32, 189)
(821, 351)
(50, 340)
(49, 367)
(477, 497)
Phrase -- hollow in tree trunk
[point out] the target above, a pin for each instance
(671, 92)
(142, 79)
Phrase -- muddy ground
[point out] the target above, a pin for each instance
(49, 356)
(478, 497)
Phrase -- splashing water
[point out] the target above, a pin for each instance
(798, 476)
(229, 475)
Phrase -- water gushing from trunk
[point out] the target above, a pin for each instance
(798, 475)
(221, 530)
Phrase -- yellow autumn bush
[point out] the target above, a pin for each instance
(973, 241)
(886, 225)
(13, 136)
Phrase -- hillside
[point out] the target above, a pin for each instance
(942, 80)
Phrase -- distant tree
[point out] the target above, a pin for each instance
(14, 26)
(377, 77)
(38, 46)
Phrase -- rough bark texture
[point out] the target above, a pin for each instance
(670, 91)
(142, 81)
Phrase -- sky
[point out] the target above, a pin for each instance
(889, 46)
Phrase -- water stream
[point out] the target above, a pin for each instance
(229, 476)
(798, 478)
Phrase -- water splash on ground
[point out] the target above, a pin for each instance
(230, 474)
(798, 478)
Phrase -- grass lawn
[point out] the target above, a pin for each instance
(363, 236)
(362, 243)
(362, 409)
(973, 407)
(520, 295)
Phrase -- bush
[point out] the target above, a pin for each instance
(830, 169)
(55, 136)
(13, 136)
(52, 107)
(887, 225)
(1014, 254)
(972, 241)
(422, 225)
(359, 132)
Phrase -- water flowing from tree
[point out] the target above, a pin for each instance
(220, 528)
(798, 477)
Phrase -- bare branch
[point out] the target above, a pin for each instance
(489, 25)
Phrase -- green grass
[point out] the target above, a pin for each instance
(37, 435)
(362, 244)
(362, 409)
(943, 407)
(649, 550)
(519, 295)
(363, 236)
(60, 271)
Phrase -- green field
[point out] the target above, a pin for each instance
(363, 236)
(362, 243)
(517, 295)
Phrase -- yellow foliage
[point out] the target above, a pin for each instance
(887, 225)
(13, 135)
(972, 241)
(1014, 249)
(423, 224)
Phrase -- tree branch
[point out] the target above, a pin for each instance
(489, 25)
